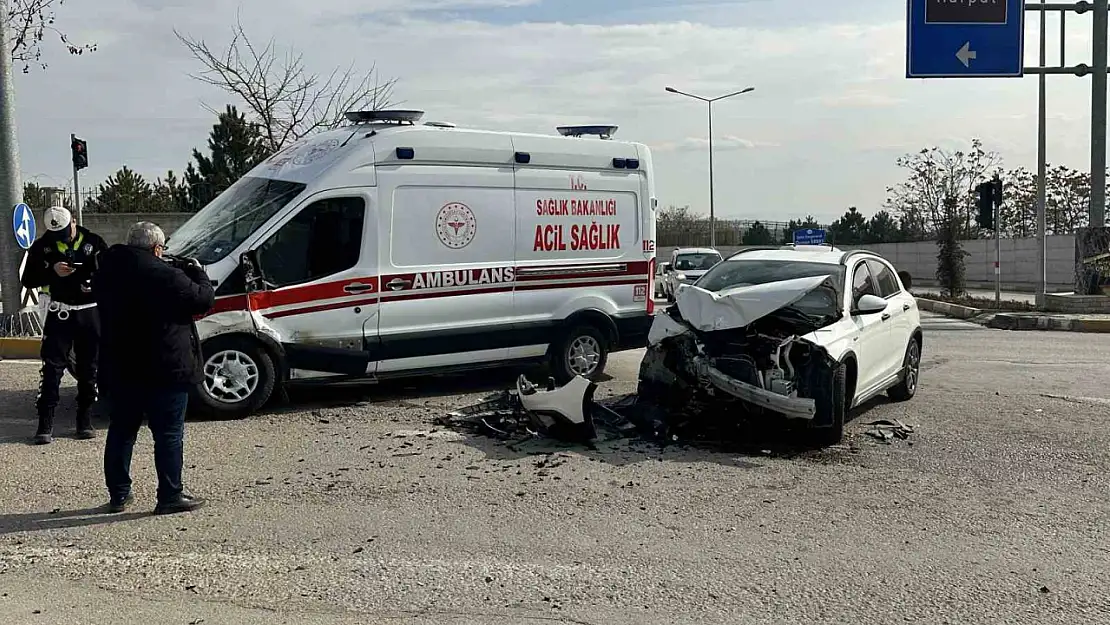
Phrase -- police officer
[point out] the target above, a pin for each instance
(63, 260)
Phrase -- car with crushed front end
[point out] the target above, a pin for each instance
(807, 332)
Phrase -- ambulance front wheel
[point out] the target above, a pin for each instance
(239, 377)
(583, 350)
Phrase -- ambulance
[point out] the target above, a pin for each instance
(392, 247)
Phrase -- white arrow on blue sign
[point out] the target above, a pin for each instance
(965, 39)
(23, 224)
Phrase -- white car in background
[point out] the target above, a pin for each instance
(687, 265)
(808, 332)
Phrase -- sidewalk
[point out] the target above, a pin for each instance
(1007, 296)
(1026, 320)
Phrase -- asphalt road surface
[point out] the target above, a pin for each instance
(350, 506)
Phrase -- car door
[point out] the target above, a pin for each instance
(873, 332)
(318, 269)
(899, 307)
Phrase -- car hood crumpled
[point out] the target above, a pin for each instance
(708, 311)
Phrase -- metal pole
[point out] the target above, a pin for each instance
(11, 185)
(997, 248)
(712, 212)
(76, 187)
(1098, 117)
(1042, 157)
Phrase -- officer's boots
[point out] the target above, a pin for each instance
(45, 434)
(85, 429)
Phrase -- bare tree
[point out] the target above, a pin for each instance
(30, 22)
(935, 177)
(284, 98)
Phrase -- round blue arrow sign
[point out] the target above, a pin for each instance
(23, 224)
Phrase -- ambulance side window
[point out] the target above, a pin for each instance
(324, 239)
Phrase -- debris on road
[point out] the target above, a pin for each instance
(887, 430)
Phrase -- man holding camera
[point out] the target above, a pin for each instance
(64, 260)
(150, 358)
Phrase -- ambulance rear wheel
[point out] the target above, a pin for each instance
(582, 351)
(239, 377)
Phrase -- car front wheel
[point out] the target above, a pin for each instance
(239, 378)
(832, 410)
(911, 374)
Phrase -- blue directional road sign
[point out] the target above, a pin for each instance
(965, 39)
(809, 236)
(23, 224)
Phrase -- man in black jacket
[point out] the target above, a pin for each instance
(63, 260)
(149, 358)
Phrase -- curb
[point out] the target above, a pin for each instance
(1012, 321)
(946, 309)
(20, 348)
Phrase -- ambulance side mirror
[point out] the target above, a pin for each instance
(252, 275)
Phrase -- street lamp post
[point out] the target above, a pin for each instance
(709, 102)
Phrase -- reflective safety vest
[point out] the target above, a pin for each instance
(65, 248)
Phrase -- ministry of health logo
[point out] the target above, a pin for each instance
(456, 225)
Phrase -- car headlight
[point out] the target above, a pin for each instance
(680, 276)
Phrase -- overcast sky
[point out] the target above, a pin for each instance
(831, 112)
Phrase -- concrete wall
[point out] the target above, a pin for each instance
(113, 226)
(1019, 261)
(1019, 256)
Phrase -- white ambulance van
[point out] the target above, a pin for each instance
(390, 247)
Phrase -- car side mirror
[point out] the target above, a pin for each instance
(252, 275)
(869, 305)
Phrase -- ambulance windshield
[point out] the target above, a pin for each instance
(228, 220)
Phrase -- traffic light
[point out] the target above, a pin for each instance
(990, 196)
(80, 153)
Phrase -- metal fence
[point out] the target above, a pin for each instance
(730, 232)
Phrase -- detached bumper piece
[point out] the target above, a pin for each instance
(791, 407)
(568, 413)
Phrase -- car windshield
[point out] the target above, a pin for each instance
(696, 262)
(228, 220)
(750, 272)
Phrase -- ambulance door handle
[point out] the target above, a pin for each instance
(358, 287)
(397, 284)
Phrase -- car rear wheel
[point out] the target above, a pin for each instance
(911, 374)
(239, 378)
(583, 351)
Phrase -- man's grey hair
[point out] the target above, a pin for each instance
(145, 235)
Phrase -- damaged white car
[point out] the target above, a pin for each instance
(807, 332)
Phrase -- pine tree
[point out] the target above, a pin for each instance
(123, 192)
(171, 195)
(235, 146)
(758, 234)
(851, 229)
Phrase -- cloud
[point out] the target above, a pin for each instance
(859, 99)
(831, 97)
(724, 143)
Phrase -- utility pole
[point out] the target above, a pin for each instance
(76, 182)
(1098, 117)
(11, 184)
(709, 102)
(1042, 152)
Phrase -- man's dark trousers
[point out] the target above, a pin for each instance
(164, 410)
(81, 333)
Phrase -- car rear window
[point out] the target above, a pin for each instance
(696, 262)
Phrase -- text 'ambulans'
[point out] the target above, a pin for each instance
(466, 277)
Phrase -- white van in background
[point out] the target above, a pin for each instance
(390, 248)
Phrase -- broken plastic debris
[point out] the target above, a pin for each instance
(886, 430)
